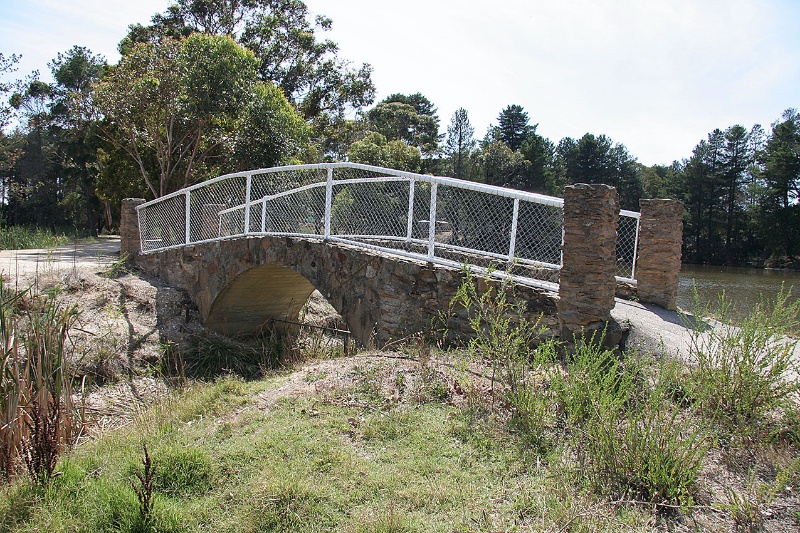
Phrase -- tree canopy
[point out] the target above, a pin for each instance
(179, 109)
(411, 119)
(284, 41)
(214, 86)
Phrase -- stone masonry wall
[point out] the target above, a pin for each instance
(381, 297)
(659, 261)
(587, 284)
(129, 227)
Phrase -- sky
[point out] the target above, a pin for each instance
(654, 75)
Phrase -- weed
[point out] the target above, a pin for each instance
(430, 385)
(117, 268)
(630, 439)
(745, 372)
(502, 332)
(21, 237)
(288, 505)
(144, 489)
(747, 509)
(213, 355)
(381, 426)
(386, 521)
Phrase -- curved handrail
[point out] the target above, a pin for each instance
(437, 219)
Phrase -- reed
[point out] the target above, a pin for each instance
(39, 415)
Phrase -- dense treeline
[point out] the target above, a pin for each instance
(209, 88)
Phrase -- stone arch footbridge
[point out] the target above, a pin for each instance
(389, 249)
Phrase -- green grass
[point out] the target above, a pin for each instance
(300, 465)
(22, 237)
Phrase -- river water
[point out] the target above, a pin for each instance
(743, 286)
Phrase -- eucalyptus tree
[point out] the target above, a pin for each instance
(501, 165)
(286, 43)
(410, 118)
(178, 108)
(376, 149)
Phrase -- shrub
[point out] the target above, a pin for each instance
(745, 367)
(647, 452)
(214, 354)
(502, 331)
(630, 440)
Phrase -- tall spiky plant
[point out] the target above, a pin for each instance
(49, 413)
(11, 427)
(37, 411)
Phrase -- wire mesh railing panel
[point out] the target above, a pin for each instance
(301, 212)
(207, 206)
(627, 233)
(421, 210)
(270, 183)
(347, 173)
(539, 233)
(370, 209)
(534, 272)
(473, 220)
(163, 224)
(231, 223)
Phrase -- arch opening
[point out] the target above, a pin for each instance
(262, 294)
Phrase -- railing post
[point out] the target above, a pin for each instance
(188, 217)
(410, 226)
(264, 216)
(586, 282)
(130, 235)
(432, 222)
(659, 252)
(328, 204)
(512, 245)
(247, 204)
(636, 247)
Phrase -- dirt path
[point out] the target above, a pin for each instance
(23, 266)
(653, 329)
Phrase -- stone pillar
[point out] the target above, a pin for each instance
(658, 262)
(129, 228)
(586, 282)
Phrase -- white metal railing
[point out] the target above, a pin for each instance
(442, 220)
